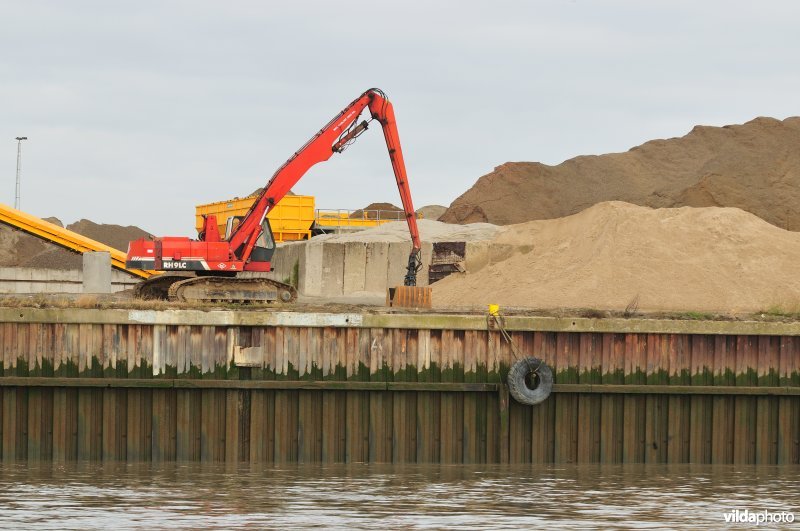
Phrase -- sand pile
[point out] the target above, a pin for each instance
(429, 231)
(754, 166)
(19, 249)
(431, 211)
(614, 253)
(373, 210)
(425, 212)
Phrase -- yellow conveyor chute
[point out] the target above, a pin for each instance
(63, 237)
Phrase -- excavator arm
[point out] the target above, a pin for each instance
(334, 138)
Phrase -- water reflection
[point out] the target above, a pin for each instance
(86, 496)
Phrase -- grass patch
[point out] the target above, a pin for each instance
(292, 279)
(592, 313)
(696, 316)
(781, 312)
(110, 303)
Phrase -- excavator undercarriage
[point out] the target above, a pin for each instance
(190, 288)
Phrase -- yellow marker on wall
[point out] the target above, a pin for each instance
(494, 309)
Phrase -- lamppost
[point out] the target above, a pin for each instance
(19, 159)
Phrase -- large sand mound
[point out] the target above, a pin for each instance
(677, 259)
(755, 167)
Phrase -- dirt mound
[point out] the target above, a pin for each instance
(258, 191)
(19, 249)
(377, 210)
(116, 236)
(17, 246)
(754, 166)
(616, 255)
(431, 211)
(54, 221)
(54, 258)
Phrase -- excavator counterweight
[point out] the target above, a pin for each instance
(211, 267)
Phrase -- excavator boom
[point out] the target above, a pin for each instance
(332, 138)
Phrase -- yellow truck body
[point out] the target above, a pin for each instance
(295, 217)
(291, 219)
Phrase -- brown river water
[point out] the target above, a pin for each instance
(191, 496)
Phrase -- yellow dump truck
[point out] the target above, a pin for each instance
(296, 218)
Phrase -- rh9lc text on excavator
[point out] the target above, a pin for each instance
(218, 267)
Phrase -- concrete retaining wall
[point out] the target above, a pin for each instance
(352, 268)
(30, 280)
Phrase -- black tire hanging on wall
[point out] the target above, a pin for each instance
(530, 381)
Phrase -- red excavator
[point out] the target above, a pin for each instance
(218, 267)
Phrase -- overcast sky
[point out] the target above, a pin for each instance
(137, 111)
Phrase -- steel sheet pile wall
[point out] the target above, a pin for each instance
(84, 384)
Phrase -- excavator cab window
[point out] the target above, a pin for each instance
(265, 244)
(266, 239)
(231, 225)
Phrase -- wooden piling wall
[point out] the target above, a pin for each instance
(291, 387)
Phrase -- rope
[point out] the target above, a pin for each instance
(514, 349)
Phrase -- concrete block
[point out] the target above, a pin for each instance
(332, 269)
(377, 265)
(97, 272)
(286, 255)
(24, 287)
(276, 263)
(310, 282)
(61, 275)
(427, 255)
(39, 275)
(355, 267)
(293, 254)
(398, 263)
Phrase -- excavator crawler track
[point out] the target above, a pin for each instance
(231, 289)
(157, 287)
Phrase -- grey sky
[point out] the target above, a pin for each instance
(137, 111)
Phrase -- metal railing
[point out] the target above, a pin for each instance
(356, 218)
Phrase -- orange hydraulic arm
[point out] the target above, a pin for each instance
(334, 138)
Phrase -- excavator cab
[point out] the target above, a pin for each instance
(265, 243)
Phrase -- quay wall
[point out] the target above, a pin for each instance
(136, 385)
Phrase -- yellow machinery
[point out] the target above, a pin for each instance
(63, 237)
(290, 219)
(294, 217)
(341, 220)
